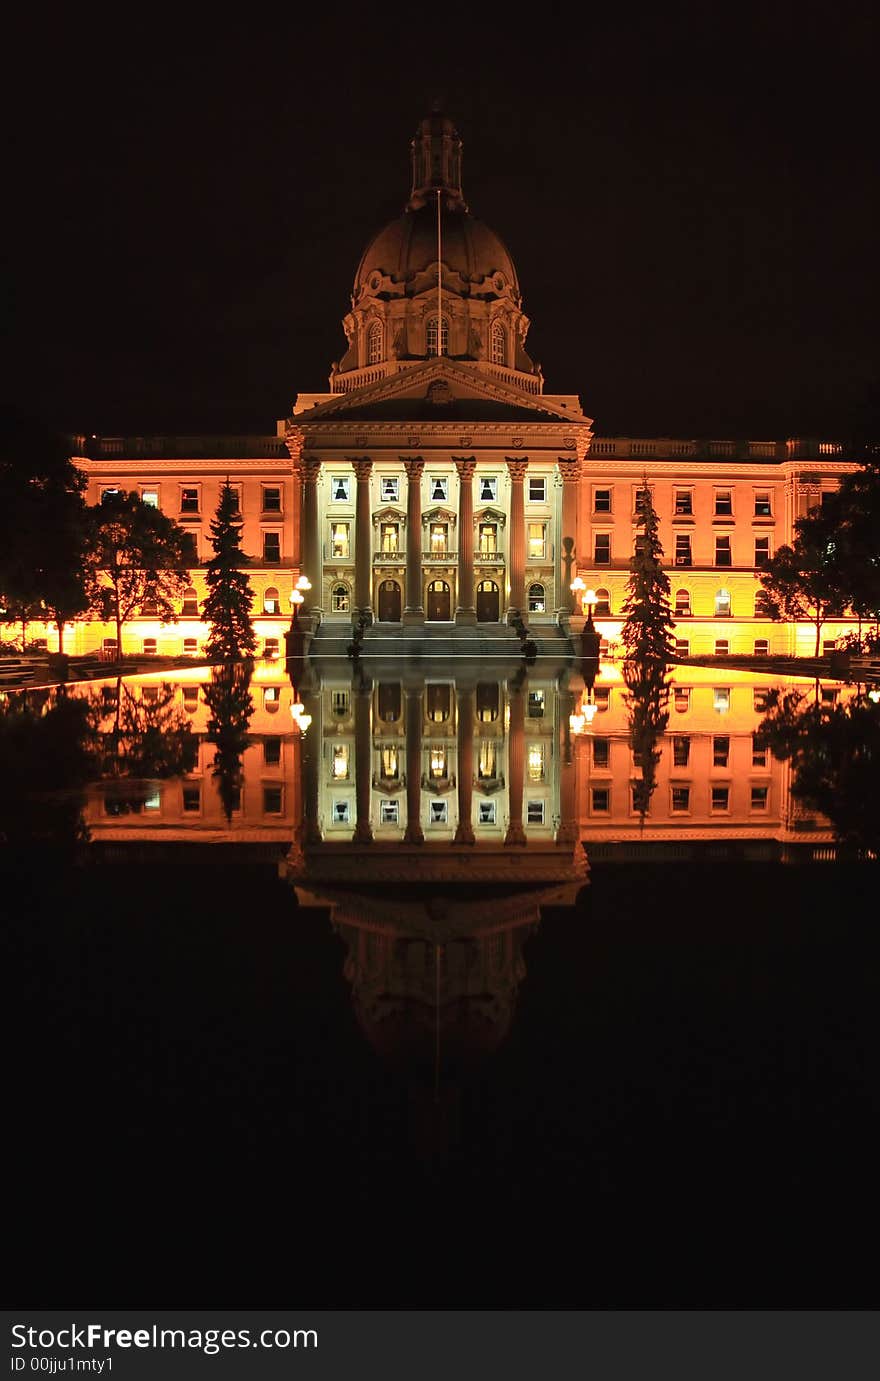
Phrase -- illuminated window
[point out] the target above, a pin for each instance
(339, 703)
(534, 812)
(720, 750)
(684, 502)
(721, 699)
(536, 704)
(389, 812)
(601, 752)
(488, 488)
(438, 813)
(722, 647)
(763, 508)
(389, 701)
(681, 799)
(150, 496)
(762, 551)
(602, 548)
(682, 647)
(603, 604)
(340, 539)
(537, 541)
(681, 698)
(437, 335)
(535, 762)
(190, 647)
(438, 702)
(723, 503)
(190, 699)
(439, 487)
(829, 647)
(189, 609)
(437, 763)
(537, 489)
(272, 752)
(487, 701)
(153, 799)
(600, 800)
(488, 539)
(681, 750)
(682, 604)
(759, 797)
(723, 553)
(487, 813)
(189, 499)
(762, 647)
(601, 500)
(389, 760)
(340, 488)
(390, 488)
(340, 762)
(271, 546)
(271, 601)
(340, 599)
(271, 499)
(273, 800)
(376, 340)
(720, 797)
(341, 813)
(487, 764)
(438, 536)
(389, 536)
(150, 646)
(497, 343)
(683, 549)
(192, 796)
(537, 599)
(722, 604)
(271, 698)
(759, 752)
(763, 606)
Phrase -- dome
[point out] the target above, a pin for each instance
(476, 262)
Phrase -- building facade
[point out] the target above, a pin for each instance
(437, 487)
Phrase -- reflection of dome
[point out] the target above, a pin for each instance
(475, 260)
(406, 1032)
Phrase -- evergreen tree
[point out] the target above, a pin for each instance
(647, 632)
(227, 607)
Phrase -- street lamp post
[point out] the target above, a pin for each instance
(295, 635)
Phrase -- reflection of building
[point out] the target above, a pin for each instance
(436, 486)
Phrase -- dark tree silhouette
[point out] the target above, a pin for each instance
(231, 705)
(647, 630)
(227, 607)
(135, 555)
(647, 701)
(142, 739)
(803, 580)
(47, 751)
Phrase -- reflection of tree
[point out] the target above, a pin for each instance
(148, 739)
(647, 700)
(46, 758)
(230, 703)
(834, 751)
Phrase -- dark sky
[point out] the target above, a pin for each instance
(690, 200)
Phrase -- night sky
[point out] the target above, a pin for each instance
(690, 200)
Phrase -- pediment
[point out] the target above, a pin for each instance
(436, 390)
(388, 515)
(490, 515)
(439, 515)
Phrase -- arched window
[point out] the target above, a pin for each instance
(271, 602)
(487, 701)
(190, 607)
(722, 604)
(439, 702)
(603, 604)
(763, 607)
(375, 343)
(437, 335)
(537, 599)
(496, 343)
(340, 599)
(682, 604)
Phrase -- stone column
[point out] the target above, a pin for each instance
(570, 472)
(516, 760)
(311, 747)
(465, 612)
(464, 831)
(294, 443)
(363, 542)
(362, 689)
(414, 834)
(413, 610)
(312, 551)
(517, 539)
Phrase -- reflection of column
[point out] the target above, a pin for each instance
(517, 470)
(414, 610)
(312, 559)
(465, 611)
(363, 691)
(570, 470)
(516, 761)
(363, 541)
(464, 832)
(567, 829)
(414, 833)
(311, 767)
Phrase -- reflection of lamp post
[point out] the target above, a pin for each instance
(589, 636)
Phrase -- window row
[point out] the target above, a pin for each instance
(189, 497)
(438, 543)
(343, 487)
(759, 504)
(191, 800)
(681, 751)
(342, 812)
(680, 796)
(683, 553)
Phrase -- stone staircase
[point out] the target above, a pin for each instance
(488, 641)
